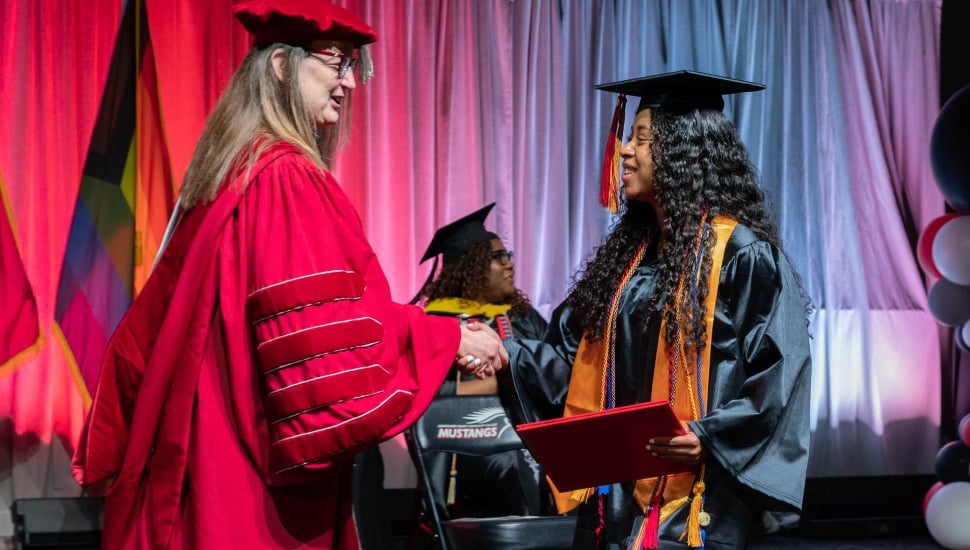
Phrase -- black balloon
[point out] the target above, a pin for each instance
(953, 462)
(949, 146)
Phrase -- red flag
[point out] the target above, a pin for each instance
(19, 324)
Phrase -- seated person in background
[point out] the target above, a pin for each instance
(476, 283)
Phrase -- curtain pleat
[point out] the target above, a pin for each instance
(54, 59)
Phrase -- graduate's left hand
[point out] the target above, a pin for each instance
(685, 448)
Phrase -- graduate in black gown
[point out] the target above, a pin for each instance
(477, 283)
(689, 300)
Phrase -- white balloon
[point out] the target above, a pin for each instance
(951, 250)
(947, 513)
(963, 336)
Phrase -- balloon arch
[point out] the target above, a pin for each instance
(943, 252)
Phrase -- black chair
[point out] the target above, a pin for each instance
(475, 425)
(55, 523)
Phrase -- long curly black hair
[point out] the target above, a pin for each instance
(467, 277)
(700, 169)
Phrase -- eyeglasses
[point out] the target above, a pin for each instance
(347, 62)
(503, 256)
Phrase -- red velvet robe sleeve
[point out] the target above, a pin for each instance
(341, 365)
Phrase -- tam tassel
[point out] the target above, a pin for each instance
(366, 64)
(610, 176)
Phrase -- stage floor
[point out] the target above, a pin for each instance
(785, 542)
(792, 542)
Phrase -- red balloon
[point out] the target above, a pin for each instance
(924, 246)
(929, 494)
(964, 431)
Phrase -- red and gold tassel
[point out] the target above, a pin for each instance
(648, 537)
(610, 177)
(651, 537)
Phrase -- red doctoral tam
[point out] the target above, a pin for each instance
(299, 22)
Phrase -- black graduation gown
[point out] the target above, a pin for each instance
(756, 432)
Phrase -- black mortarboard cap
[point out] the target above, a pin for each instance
(454, 239)
(681, 91)
(677, 92)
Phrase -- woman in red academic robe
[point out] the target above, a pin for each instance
(265, 349)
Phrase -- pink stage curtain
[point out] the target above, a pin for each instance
(54, 58)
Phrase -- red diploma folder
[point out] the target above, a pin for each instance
(599, 448)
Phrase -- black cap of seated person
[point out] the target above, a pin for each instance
(451, 241)
(678, 92)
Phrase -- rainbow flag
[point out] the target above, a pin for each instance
(19, 323)
(123, 203)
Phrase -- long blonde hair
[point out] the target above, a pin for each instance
(258, 104)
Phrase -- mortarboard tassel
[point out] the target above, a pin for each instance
(610, 178)
(366, 64)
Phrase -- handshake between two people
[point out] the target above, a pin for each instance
(480, 352)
